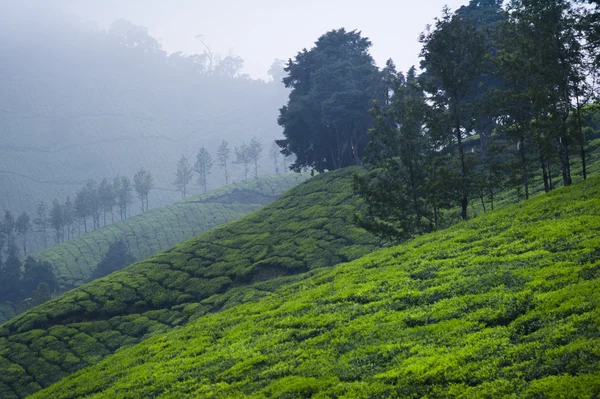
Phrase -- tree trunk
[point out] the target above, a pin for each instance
(583, 162)
(549, 175)
(565, 166)
(465, 199)
(544, 171)
(524, 165)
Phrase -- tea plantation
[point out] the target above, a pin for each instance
(308, 228)
(505, 305)
(158, 229)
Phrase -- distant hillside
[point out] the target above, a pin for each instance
(79, 103)
(308, 228)
(160, 228)
(505, 305)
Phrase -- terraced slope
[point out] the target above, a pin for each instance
(308, 228)
(159, 229)
(506, 305)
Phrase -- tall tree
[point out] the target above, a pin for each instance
(23, 227)
(453, 54)
(69, 217)
(183, 175)
(143, 183)
(223, 155)
(326, 119)
(242, 157)
(255, 150)
(122, 186)
(57, 221)
(38, 272)
(10, 275)
(41, 221)
(274, 153)
(203, 167)
(107, 198)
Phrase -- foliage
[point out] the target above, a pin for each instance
(305, 230)
(183, 175)
(223, 155)
(203, 167)
(117, 257)
(505, 305)
(143, 183)
(326, 118)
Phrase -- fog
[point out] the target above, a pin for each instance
(263, 30)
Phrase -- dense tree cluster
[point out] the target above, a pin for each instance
(20, 280)
(506, 93)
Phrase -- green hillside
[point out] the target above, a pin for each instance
(506, 305)
(308, 228)
(158, 229)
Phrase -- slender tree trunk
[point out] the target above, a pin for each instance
(565, 165)
(524, 165)
(544, 171)
(85, 225)
(582, 140)
(25, 245)
(226, 175)
(465, 199)
(548, 166)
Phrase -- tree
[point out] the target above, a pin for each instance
(223, 154)
(242, 157)
(10, 274)
(41, 221)
(453, 54)
(7, 228)
(87, 204)
(23, 227)
(395, 189)
(57, 221)
(41, 294)
(107, 198)
(116, 258)
(326, 119)
(69, 217)
(274, 153)
(277, 71)
(183, 175)
(143, 183)
(255, 153)
(36, 273)
(122, 187)
(203, 166)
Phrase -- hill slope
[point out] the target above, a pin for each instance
(306, 229)
(506, 305)
(158, 229)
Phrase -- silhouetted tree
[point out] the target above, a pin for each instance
(41, 221)
(57, 221)
(242, 157)
(116, 258)
(143, 183)
(203, 166)
(183, 175)
(255, 153)
(23, 227)
(223, 155)
(107, 198)
(36, 273)
(122, 186)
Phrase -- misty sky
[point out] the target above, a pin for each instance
(261, 30)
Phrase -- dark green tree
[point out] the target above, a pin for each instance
(10, 274)
(326, 119)
(453, 55)
(57, 221)
(23, 227)
(107, 198)
(117, 257)
(41, 221)
(36, 273)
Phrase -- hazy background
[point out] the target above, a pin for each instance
(261, 30)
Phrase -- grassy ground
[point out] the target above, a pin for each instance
(160, 228)
(308, 228)
(505, 305)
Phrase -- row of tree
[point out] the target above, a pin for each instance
(246, 155)
(506, 92)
